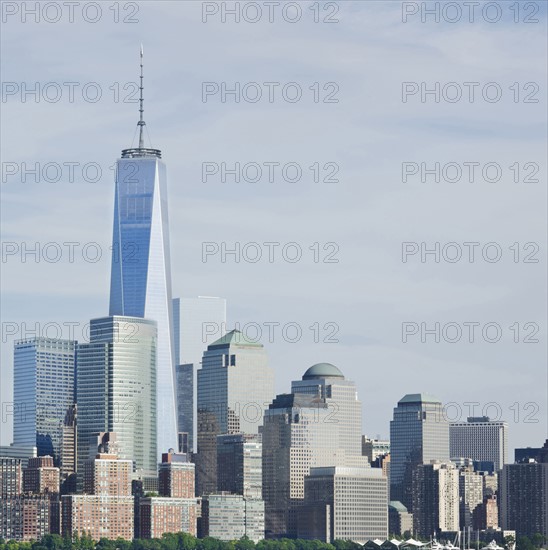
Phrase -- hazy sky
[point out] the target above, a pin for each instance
(361, 140)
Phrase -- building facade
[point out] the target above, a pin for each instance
(117, 390)
(235, 385)
(302, 431)
(198, 322)
(231, 517)
(435, 492)
(523, 496)
(344, 504)
(140, 284)
(240, 465)
(419, 433)
(43, 389)
(480, 439)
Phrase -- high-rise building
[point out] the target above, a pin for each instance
(176, 476)
(140, 284)
(69, 451)
(327, 382)
(41, 476)
(419, 433)
(235, 385)
(24, 517)
(11, 477)
(185, 376)
(344, 504)
(523, 496)
(117, 390)
(198, 322)
(486, 515)
(44, 387)
(301, 431)
(160, 515)
(480, 439)
(240, 464)
(107, 510)
(471, 494)
(435, 498)
(231, 517)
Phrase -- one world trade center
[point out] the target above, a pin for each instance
(140, 284)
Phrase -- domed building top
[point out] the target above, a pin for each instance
(323, 370)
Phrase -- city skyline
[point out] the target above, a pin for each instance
(369, 344)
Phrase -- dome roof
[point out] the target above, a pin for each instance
(323, 370)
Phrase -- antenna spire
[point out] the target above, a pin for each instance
(141, 150)
(141, 122)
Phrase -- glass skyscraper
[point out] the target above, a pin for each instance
(140, 283)
(44, 378)
(419, 433)
(116, 390)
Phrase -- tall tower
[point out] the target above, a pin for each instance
(235, 386)
(116, 390)
(44, 380)
(419, 433)
(140, 284)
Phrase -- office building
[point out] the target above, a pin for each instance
(239, 465)
(480, 439)
(140, 284)
(43, 389)
(419, 433)
(235, 385)
(327, 382)
(198, 322)
(117, 390)
(344, 504)
(302, 431)
(231, 517)
(435, 492)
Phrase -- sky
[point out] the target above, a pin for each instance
(365, 93)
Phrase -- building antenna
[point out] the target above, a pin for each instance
(141, 122)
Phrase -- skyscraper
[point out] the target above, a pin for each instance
(117, 389)
(523, 495)
(305, 430)
(479, 439)
(344, 504)
(239, 464)
(327, 382)
(44, 371)
(235, 386)
(419, 433)
(140, 284)
(197, 323)
(435, 498)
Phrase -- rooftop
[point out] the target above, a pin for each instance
(323, 370)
